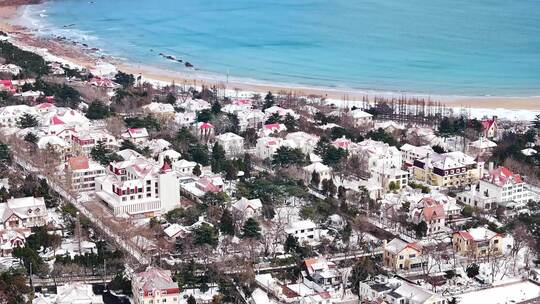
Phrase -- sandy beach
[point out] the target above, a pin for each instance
(88, 58)
(517, 103)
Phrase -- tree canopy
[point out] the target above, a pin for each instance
(286, 156)
(205, 235)
(97, 110)
(124, 79)
(27, 121)
(251, 229)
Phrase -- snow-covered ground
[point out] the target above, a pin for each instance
(205, 297)
(507, 293)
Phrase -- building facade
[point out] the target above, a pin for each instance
(452, 170)
(477, 242)
(154, 286)
(139, 187)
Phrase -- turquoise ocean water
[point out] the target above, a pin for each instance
(460, 47)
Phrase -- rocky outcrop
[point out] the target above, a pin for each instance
(18, 2)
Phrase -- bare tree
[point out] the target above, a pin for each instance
(115, 125)
(522, 239)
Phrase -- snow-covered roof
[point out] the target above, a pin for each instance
(172, 154)
(483, 143)
(259, 297)
(243, 204)
(229, 136)
(356, 114)
(182, 163)
(478, 234)
(449, 160)
(501, 176)
(155, 279)
(174, 230)
(396, 245)
(52, 140)
(135, 133)
(317, 167)
(128, 154)
(157, 107)
(415, 293)
(300, 225)
(77, 293)
(529, 152)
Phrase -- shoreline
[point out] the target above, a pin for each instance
(351, 95)
(75, 54)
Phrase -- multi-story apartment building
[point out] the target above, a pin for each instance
(139, 187)
(24, 212)
(361, 118)
(85, 140)
(400, 255)
(504, 186)
(10, 115)
(304, 231)
(430, 212)
(477, 242)
(481, 147)
(136, 135)
(452, 170)
(17, 217)
(267, 146)
(81, 173)
(411, 153)
(321, 271)
(490, 127)
(233, 144)
(321, 169)
(381, 162)
(304, 141)
(155, 285)
(499, 187)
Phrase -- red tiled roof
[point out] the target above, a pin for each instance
(433, 210)
(78, 163)
(205, 125)
(45, 105)
(242, 102)
(56, 121)
(166, 167)
(289, 293)
(414, 246)
(272, 126)
(342, 142)
(466, 235)
(502, 175)
(6, 83)
(487, 123)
